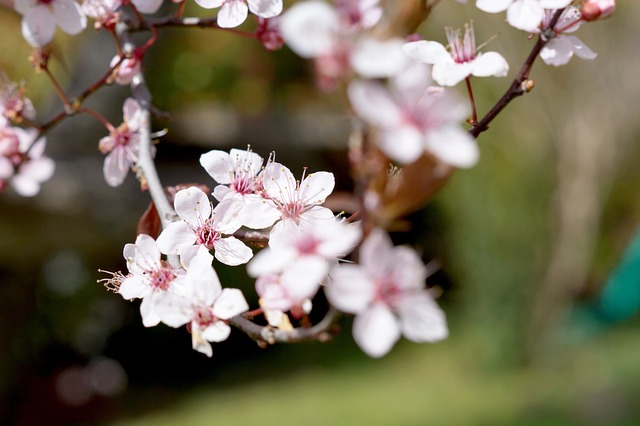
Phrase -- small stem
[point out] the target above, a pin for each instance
(100, 118)
(67, 104)
(268, 335)
(474, 118)
(181, 7)
(188, 22)
(517, 86)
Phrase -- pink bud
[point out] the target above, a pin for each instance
(269, 34)
(597, 9)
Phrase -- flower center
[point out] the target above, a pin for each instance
(463, 48)
(207, 236)
(161, 279)
(243, 184)
(204, 316)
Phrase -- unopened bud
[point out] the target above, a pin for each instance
(597, 9)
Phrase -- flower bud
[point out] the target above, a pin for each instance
(597, 9)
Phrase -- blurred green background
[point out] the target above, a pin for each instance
(527, 241)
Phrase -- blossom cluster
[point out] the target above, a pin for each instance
(401, 90)
(23, 163)
(40, 18)
(306, 243)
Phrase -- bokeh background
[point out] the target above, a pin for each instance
(539, 270)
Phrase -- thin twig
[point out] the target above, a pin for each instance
(264, 334)
(518, 86)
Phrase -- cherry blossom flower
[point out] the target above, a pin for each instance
(275, 300)
(104, 12)
(14, 105)
(386, 293)
(297, 201)
(268, 32)
(203, 304)
(303, 255)
(525, 15)
(200, 225)
(152, 280)
(234, 12)
(451, 68)
(414, 117)
(561, 48)
(314, 29)
(22, 161)
(597, 9)
(240, 171)
(122, 145)
(40, 17)
(127, 70)
(359, 14)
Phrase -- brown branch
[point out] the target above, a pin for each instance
(519, 85)
(267, 335)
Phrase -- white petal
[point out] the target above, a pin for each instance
(230, 303)
(493, 6)
(490, 64)
(133, 287)
(246, 161)
(198, 342)
(172, 310)
(216, 332)
(376, 253)
(376, 330)
(451, 73)
(231, 251)
(278, 182)
(579, 48)
(202, 279)
(427, 52)
(147, 252)
(374, 104)
(403, 144)
(147, 310)
(25, 186)
(373, 58)
(219, 166)
(337, 239)
(421, 319)
(210, 4)
(316, 187)
(257, 213)
(309, 28)
(193, 206)
(349, 289)
(453, 146)
(265, 8)
(69, 16)
(132, 112)
(38, 26)
(269, 261)
(232, 13)
(554, 4)
(525, 15)
(301, 279)
(115, 167)
(176, 237)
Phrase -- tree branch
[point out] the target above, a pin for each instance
(267, 335)
(519, 85)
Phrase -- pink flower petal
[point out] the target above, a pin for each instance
(231, 251)
(349, 289)
(69, 16)
(232, 13)
(230, 303)
(376, 330)
(38, 27)
(421, 319)
(265, 8)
